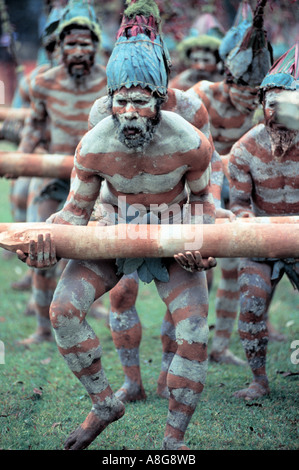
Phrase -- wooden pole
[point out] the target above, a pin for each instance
(98, 242)
(20, 226)
(15, 164)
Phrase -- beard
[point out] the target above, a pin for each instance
(79, 70)
(136, 136)
(281, 140)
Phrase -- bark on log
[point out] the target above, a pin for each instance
(97, 242)
(15, 164)
(13, 113)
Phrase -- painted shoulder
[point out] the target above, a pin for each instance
(257, 132)
(100, 109)
(101, 138)
(176, 134)
(204, 86)
(188, 103)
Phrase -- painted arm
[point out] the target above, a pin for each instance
(35, 125)
(240, 181)
(84, 191)
(199, 181)
(202, 208)
(85, 188)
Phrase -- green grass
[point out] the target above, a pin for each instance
(41, 402)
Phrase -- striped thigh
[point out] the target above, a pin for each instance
(80, 284)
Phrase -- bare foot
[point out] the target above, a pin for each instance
(255, 390)
(92, 426)
(128, 394)
(226, 357)
(36, 338)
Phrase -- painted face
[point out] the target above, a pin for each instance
(270, 106)
(135, 112)
(281, 137)
(203, 60)
(78, 52)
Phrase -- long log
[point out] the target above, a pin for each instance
(46, 165)
(20, 226)
(98, 242)
(13, 113)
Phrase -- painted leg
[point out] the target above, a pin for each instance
(255, 295)
(43, 281)
(227, 306)
(18, 198)
(169, 347)
(126, 333)
(80, 284)
(274, 334)
(44, 284)
(186, 297)
(18, 205)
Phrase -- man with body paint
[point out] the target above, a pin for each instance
(201, 56)
(19, 191)
(61, 98)
(127, 333)
(149, 156)
(231, 105)
(264, 181)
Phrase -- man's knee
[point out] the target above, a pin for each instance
(123, 295)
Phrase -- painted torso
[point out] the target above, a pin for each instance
(272, 184)
(178, 153)
(67, 107)
(188, 106)
(228, 124)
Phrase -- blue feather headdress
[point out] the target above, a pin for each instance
(249, 61)
(81, 13)
(139, 57)
(284, 73)
(242, 23)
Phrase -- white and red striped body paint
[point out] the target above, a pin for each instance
(177, 153)
(123, 296)
(60, 108)
(264, 181)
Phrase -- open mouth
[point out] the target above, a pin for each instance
(132, 132)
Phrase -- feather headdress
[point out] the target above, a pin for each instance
(52, 22)
(81, 13)
(284, 73)
(139, 56)
(251, 59)
(242, 23)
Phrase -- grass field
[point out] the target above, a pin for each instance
(42, 402)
